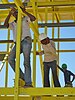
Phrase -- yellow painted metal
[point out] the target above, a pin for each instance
(34, 29)
(58, 47)
(52, 84)
(34, 62)
(39, 48)
(18, 3)
(42, 98)
(41, 18)
(12, 98)
(52, 27)
(39, 91)
(37, 98)
(35, 36)
(4, 12)
(5, 57)
(34, 45)
(6, 74)
(48, 91)
(17, 55)
(46, 19)
(5, 1)
(6, 91)
(47, 3)
(62, 12)
(58, 44)
(58, 98)
(41, 62)
(42, 10)
(54, 3)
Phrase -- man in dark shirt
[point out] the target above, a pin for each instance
(67, 75)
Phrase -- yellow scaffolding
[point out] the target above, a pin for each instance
(44, 11)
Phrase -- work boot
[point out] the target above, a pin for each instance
(21, 82)
(27, 86)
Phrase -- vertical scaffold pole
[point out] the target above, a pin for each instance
(6, 74)
(52, 37)
(34, 46)
(17, 55)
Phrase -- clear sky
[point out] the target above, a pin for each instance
(68, 58)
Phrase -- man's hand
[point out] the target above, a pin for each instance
(23, 9)
(39, 53)
(32, 17)
(12, 10)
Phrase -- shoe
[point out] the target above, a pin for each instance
(27, 86)
(21, 82)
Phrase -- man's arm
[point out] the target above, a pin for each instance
(73, 76)
(40, 53)
(6, 23)
(73, 79)
(60, 68)
(32, 18)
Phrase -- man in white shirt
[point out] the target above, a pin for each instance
(26, 43)
(50, 60)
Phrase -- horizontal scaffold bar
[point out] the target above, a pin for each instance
(42, 25)
(63, 39)
(12, 98)
(68, 24)
(35, 91)
(40, 4)
(54, 39)
(6, 41)
(38, 98)
(56, 3)
(4, 6)
(2, 26)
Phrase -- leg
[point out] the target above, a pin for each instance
(54, 73)
(11, 60)
(26, 49)
(46, 75)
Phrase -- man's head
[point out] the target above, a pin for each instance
(44, 39)
(64, 66)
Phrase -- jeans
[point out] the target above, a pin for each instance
(47, 66)
(26, 45)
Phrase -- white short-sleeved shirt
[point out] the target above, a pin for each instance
(25, 28)
(49, 52)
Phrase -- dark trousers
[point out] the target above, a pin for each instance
(47, 66)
